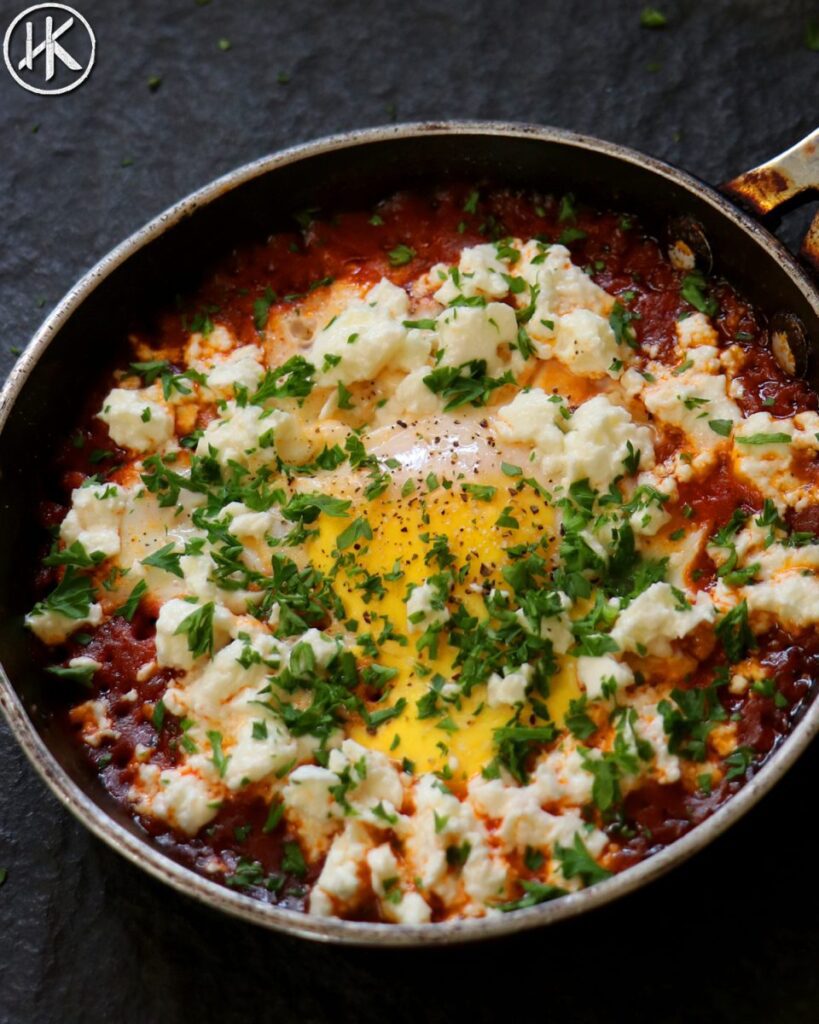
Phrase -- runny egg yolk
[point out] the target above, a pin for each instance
(403, 531)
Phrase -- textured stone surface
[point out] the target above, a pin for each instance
(732, 935)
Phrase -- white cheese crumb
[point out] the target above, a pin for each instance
(790, 598)
(340, 885)
(480, 272)
(655, 618)
(176, 795)
(586, 344)
(592, 444)
(696, 330)
(137, 419)
(467, 333)
(172, 648)
(594, 672)
(243, 367)
(510, 688)
(425, 608)
(403, 907)
(251, 436)
(367, 337)
(54, 628)
(94, 518)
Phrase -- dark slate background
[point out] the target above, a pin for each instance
(734, 934)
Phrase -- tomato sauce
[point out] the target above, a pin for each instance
(435, 226)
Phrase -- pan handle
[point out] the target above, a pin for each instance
(764, 188)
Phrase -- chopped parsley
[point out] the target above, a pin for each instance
(401, 255)
(465, 384)
(693, 290)
(198, 628)
(577, 862)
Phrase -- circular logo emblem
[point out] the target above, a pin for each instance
(49, 49)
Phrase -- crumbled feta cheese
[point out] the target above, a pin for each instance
(586, 344)
(562, 286)
(397, 904)
(696, 402)
(324, 648)
(647, 521)
(243, 367)
(252, 436)
(593, 673)
(763, 454)
(560, 776)
(310, 806)
(340, 885)
(480, 272)
(311, 796)
(376, 777)
(650, 727)
(568, 826)
(425, 608)
(790, 598)
(467, 333)
(92, 715)
(367, 337)
(411, 397)
(658, 616)
(534, 418)
(55, 628)
(601, 437)
(94, 518)
(523, 822)
(176, 795)
(172, 648)
(253, 757)
(593, 443)
(695, 330)
(246, 523)
(555, 628)
(440, 822)
(137, 419)
(510, 688)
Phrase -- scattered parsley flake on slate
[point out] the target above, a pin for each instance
(650, 17)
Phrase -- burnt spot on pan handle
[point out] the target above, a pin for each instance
(764, 188)
(789, 343)
(688, 248)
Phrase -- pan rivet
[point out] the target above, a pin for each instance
(687, 245)
(789, 343)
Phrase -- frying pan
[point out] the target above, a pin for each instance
(86, 331)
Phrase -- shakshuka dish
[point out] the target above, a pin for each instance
(435, 560)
